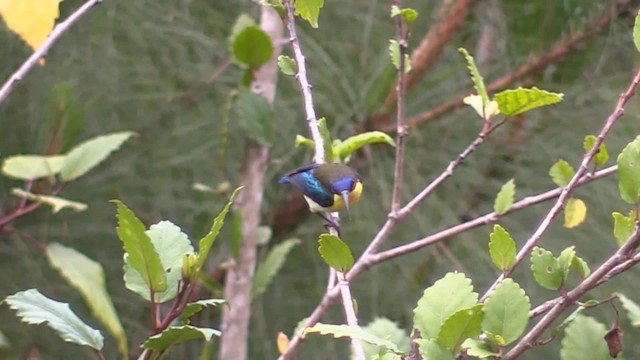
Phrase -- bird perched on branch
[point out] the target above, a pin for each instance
(326, 187)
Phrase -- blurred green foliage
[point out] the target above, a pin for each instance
(160, 68)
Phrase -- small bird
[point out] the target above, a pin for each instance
(326, 187)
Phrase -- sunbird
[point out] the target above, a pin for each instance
(326, 187)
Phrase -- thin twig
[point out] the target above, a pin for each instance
(57, 32)
(530, 339)
(616, 115)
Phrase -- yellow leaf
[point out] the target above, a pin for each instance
(574, 213)
(475, 101)
(283, 342)
(33, 20)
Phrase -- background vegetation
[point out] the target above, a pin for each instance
(163, 69)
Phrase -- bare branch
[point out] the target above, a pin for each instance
(57, 32)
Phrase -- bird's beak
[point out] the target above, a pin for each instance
(345, 197)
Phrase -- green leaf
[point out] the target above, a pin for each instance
(207, 241)
(561, 173)
(31, 167)
(520, 100)
(90, 153)
(602, 156)
(242, 22)
(478, 81)
(629, 172)
(177, 335)
(301, 140)
(441, 300)
(394, 52)
(546, 269)
(335, 252)
(309, 10)
(502, 248)
(623, 226)
(237, 235)
(326, 138)
(463, 324)
(633, 309)
(430, 349)
(409, 15)
(141, 254)
(338, 331)
(568, 320)
(575, 212)
(584, 336)
(505, 197)
(580, 266)
(87, 276)
(56, 203)
(636, 31)
(195, 307)
(171, 244)
(388, 330)
(35, 308)
(252, 47)
(353, 143)
(479, 349)
(270, 267)
(506, 312)
(256, 117)
(287, 65)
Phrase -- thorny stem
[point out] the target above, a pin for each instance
(319, 158)
(57, 32)
(616, 115)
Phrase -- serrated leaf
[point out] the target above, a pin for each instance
(287, 65)
(195, 307)
(270, 267)
(326, 138)
(502, 248)
(35, 308)
(561, 173)
(505, 197)
(565, 259)
(177, 335)
(575, 212)
(479, 349)
(461, 325)
(394, 52)
(309, 10)
(439, 301)
(141, 254)
(353, 143)
(546, 269)
(171, 245)
(584, 336)
(207, 241)
(623, 226)
(520, 100)
(335, 252)
(506, 312)
(56, 203)
(580, 266)
(629, 172)
(256, 117)
(252, 47)
(410, 15)
(31, 167)
(602, 156)
(301, 140)
(338, 331)
(633, 309)
(87, 276)
(636, 31)
(568, 320)
(388, 330)
(430, 349)
(84, 157)
(33, 21)
(478, 81)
